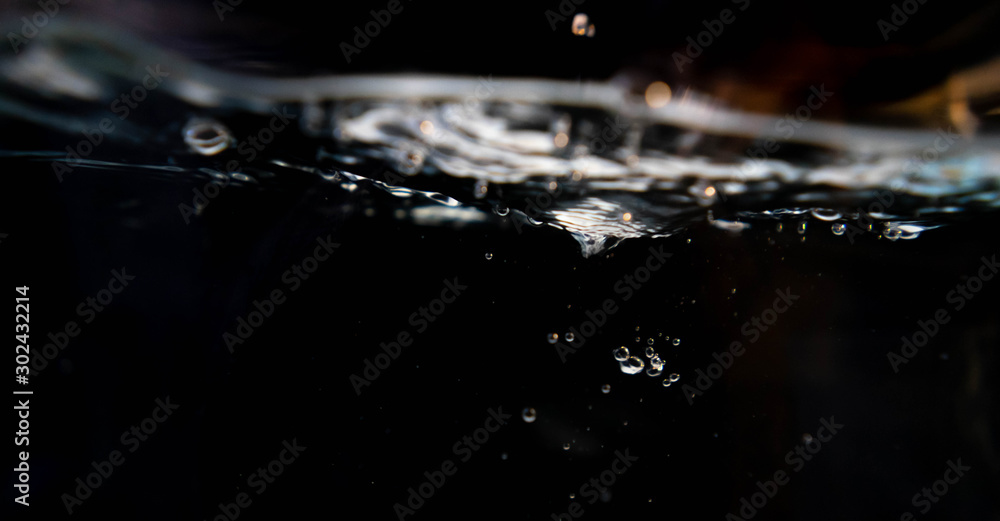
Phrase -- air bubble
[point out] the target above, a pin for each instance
(632, 366)
(802, 228)
(838, 228)
(501, 210)
(674, 377)
(570, 336)
(650, 341)
(579, 24)
(656, 362)
(825, 215)
(666, 383)
(650, 353)
(606, 388)
(207, 137)
(565, 446)
(677, 342)
(529, 415)
(654, 371)
(552, 337)
(489, 256)
(621, 354)
(481, 188)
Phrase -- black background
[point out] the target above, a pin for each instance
(825, 357)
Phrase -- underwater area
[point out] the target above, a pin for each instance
(534, 260)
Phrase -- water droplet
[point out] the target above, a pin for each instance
(677, 342)
(674, 377)
(206, 137)
(489, 256)
(802, 228)
(666, 383)
(838, 228)
(650, 341)
(654, 371)
(621, 354)
(825, 215)
(565, 446)
(552, 337)
(650, 353)
(632, 366)
(570, 336)
(606, 388)
(529, 415)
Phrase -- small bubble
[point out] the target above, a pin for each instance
(838, 228)
(656, 362)
(606, 388)
(565, 446)
(650, 353)
(489, 256)
(552, 337)
(674, 377)
(529, 415)
(637, 328)
(481, 188)
(638, 339)
(650, 341)
(570, 336)
(654, 371)
(689, 241)
(621, 354)
(778, 227)
(802, 228)
(501, 210)
(572, 495)
(677, 342)
(666, 383)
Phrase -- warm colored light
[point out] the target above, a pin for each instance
(710, 191)
(561, 139)
(427, 127)
(626, 217)
(579, 24)
(658, 94)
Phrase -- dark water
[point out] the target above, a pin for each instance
(359, 306)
